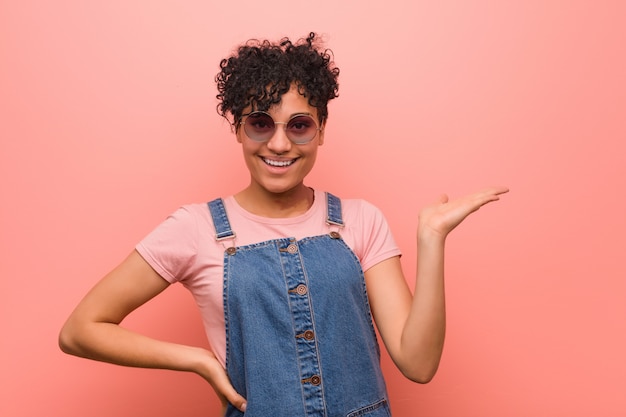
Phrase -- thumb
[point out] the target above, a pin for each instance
(238, 402)
(227, 394)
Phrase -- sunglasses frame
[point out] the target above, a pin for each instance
(247, 116)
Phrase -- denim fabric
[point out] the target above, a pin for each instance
(299, 333)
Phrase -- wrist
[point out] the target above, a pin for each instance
(427, 236)
(203, 362)
(196, 358)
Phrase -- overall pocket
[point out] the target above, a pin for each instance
(378, 409)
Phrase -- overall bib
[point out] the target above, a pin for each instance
(299, 333)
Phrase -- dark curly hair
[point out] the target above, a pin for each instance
(260, 72)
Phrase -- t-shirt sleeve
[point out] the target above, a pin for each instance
(170, 249)
(376, 240)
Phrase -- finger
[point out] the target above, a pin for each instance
(496, 190)
(239, 403)
(489, 194)
(502, 190)
(227, 394)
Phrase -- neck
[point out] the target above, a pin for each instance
(291, 203)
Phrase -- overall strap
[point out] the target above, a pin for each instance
(223, 229)
(333, 210)
(220, 220)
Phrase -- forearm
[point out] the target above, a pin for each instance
(109, 342)
(424, 331)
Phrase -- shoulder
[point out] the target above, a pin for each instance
(185, 221)
(190, 212)
(175, 245)
(358, 205)
(362, 218)
(361, 211)
(367, 232)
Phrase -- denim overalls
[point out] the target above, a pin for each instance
(299, 333)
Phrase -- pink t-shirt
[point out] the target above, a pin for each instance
(183, 248)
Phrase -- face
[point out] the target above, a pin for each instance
(279, 166)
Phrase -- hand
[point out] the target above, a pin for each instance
(215, 374)
(443, 216)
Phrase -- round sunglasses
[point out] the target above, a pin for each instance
(260, 127)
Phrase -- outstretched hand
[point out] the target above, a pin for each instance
(443, 216)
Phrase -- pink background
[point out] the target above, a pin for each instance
(108, 124)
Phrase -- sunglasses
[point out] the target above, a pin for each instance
(260, 127)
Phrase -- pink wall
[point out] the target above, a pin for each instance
(108, 124)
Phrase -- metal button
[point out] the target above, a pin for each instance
(335, 235)
(308, 335)
(292, 248)
(315, 380)
(231, 250)
(301, 289)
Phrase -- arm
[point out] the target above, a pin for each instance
(413, 327)
(93, 331)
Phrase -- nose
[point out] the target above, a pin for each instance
(279, 142)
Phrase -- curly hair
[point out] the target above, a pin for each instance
(260, 72)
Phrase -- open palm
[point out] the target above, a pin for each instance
(443, 216)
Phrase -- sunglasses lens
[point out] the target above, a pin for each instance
(301, 129)
(259, 126)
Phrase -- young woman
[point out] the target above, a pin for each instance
(287, 277)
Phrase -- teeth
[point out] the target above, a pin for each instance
(278, 163)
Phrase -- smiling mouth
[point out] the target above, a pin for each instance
(275, 163)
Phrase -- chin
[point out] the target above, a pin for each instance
(280, 188)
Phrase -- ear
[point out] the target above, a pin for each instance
(238, 134)
(320, 140)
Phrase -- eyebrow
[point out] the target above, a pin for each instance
(304, 113)
(301, 114)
